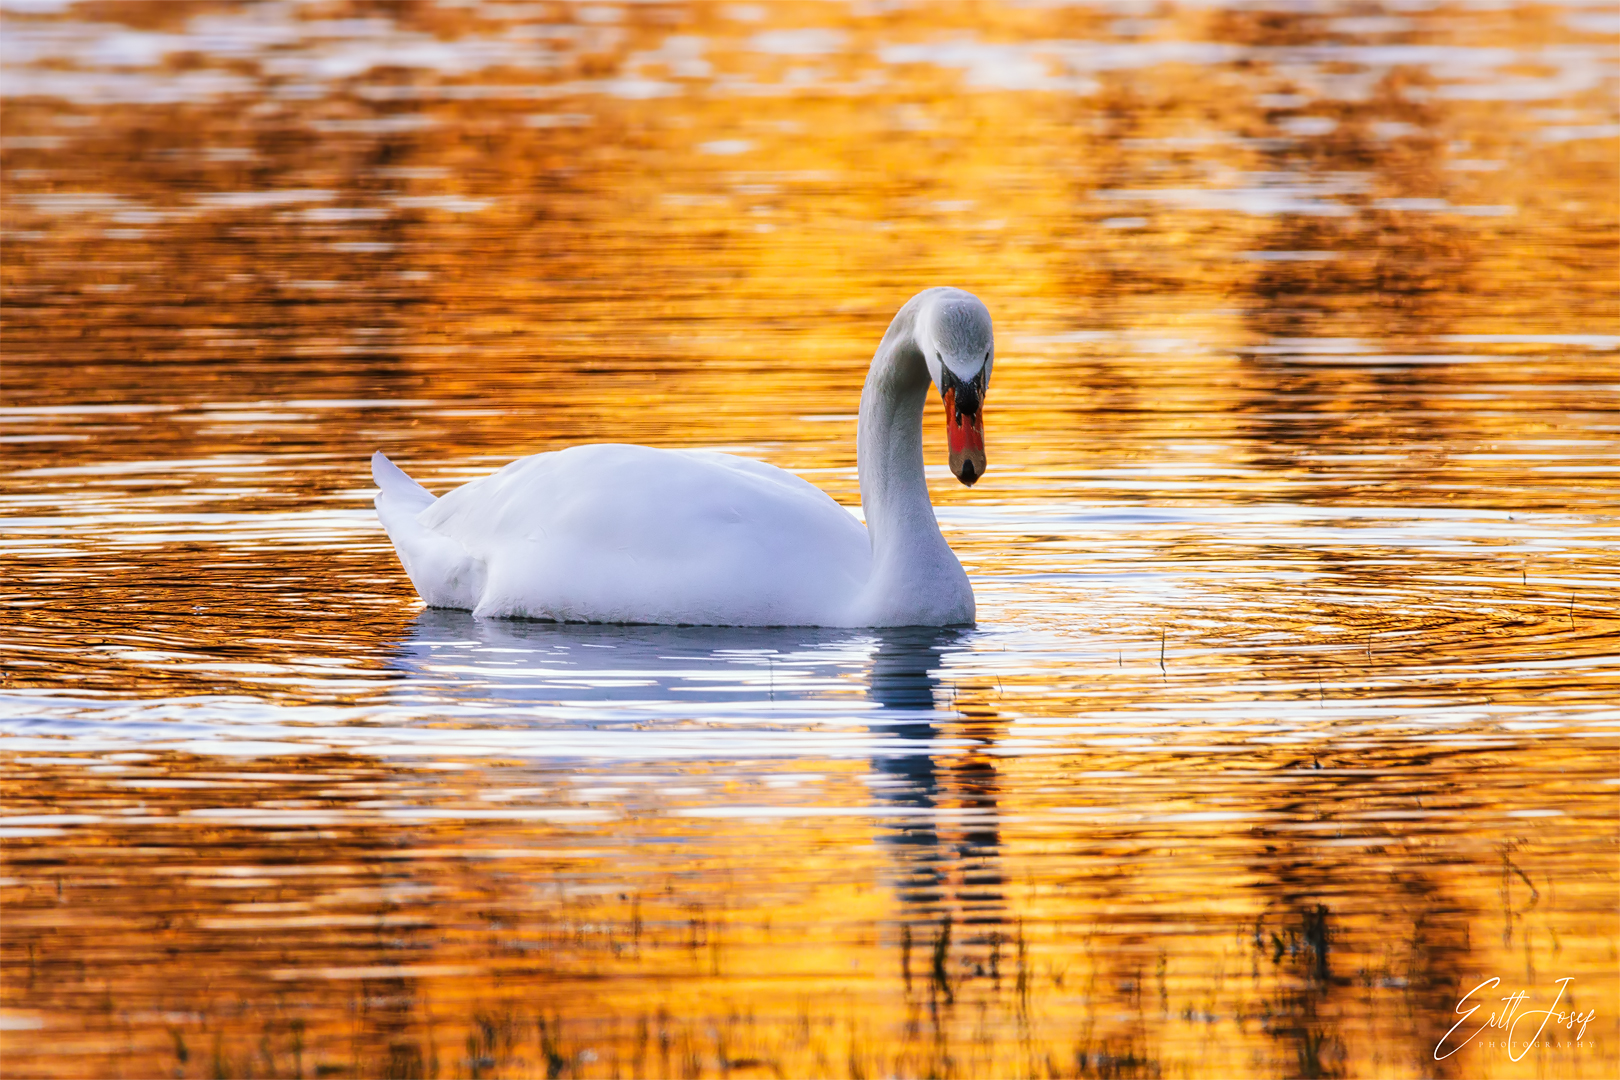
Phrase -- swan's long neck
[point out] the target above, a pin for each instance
(911, 563)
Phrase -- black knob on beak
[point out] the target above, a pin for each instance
(968, 394)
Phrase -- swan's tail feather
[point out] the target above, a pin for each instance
(397, 487)
(444, 574)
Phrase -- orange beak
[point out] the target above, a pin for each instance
(964, 432)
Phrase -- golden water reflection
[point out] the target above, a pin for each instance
(1290, 715)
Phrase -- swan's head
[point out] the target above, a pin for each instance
(959, 349)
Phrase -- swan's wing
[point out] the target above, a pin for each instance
(632, 534)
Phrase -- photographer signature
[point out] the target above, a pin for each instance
(1508, 1021)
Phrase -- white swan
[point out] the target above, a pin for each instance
(630, 534)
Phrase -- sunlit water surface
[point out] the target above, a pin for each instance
(1291, 713)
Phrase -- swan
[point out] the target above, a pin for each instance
(609, 533)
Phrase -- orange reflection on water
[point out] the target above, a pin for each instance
(1290, 715)
(391, 921)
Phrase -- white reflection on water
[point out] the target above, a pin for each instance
(506, 688)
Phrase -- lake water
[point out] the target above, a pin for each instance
(1291, 715)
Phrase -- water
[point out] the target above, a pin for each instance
(1290, 715)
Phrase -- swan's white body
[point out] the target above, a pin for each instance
(614, 533)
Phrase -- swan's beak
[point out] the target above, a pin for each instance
(964, 431)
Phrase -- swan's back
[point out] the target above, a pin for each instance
(616, 533)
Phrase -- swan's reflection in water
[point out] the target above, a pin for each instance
(675, 671)
(935, 794)
(881, 681)
(947, 848)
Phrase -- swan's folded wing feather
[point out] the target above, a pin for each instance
(394, 486)
(442, 571)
